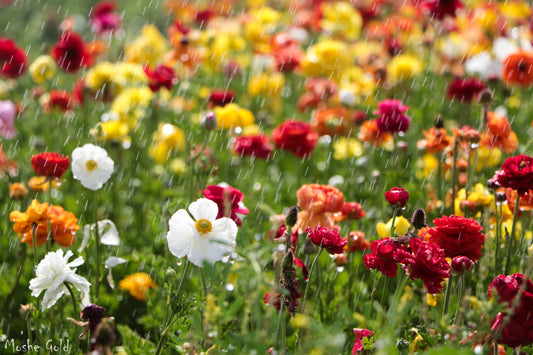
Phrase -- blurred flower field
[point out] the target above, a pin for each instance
(266, 177)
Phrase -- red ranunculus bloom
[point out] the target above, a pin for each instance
(382, 256)
(327, 238)
(50, 164)
(220, 97)
(392, 117)
(350, 211)
(13, 61)
(397, 196)
(516, 173)
(359, 335)
(464, 89)
(518, 330)
(229, 201)
(257, 146)
(461, 265)
(70, 53)
(59, 99)
(438, 9)
(161, 76)
(296, 137)
(457, 236)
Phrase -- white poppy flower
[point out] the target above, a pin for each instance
(52, 272)
(203, 238)
(92, 166)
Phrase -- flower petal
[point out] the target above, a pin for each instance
(204, 209)
(181, 233)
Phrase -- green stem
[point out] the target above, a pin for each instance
(97, 238)
(280, 334)
(497, 242)
(511, 237)
(76, 314)
(394, 214)
(447, 296)
(454, 172)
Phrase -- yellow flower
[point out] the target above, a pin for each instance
(251, 130)
(428, 167)
(177, 166)
(342, 19)
(212, 310)
(130, 105)
(109, 79)
(43, 68)
(404, 66)
(166, 140)
(232, 116)
(111, 131)
(300, 321)
(515, 10)
(258, 31)
(148, 49)
(345, 148)
(400, 227)
(327, 58)
(480, 195)
(432, 300)
(137, 285)
(487, 158)
(266, 84)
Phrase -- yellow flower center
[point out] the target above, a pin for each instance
(91, 165)
(203, 226)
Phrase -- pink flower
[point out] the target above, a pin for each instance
(229, 201)
(7, 118)
(360, 334)
(391, 116)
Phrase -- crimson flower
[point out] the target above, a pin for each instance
(219, 97)
(70, 53)
(427, 262)
(50, 164)
(461, 265)
(161, 76)
(350, 211)
(464, 89)
(327, 238)
(438, 9)
(360, 334)
(229, 201)
(13, 60)
(458, 236)
(59, 99)
(518, 330)
(382, 256)
(397, 196)
(296, 137)
(257, 146)
(392, 117)
(516, 173)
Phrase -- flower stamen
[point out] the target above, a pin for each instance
(203, 226)
(91, 165)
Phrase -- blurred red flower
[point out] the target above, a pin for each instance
(257, 146)
(392, 117)
(464, 89)
(295, 136)
(70, 53)
(161, 76)
(50, 164)
(13, 60)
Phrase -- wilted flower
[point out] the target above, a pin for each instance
(52, 272)
(204, 238)
(91, 166)
(137, 285)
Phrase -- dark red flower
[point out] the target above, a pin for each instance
(221, 97)
(327, 238)
(13, 60)
(438, 9)
(203, 16)
(50, 164)
(397, 196)
(516, 173)
(382, 256)
(59, 99)
(516, 328)
(427, 262)
(461, 265)
(161, 76)
(465, 89)
(229, 201)
(70, 53)
(392, 117)
(257, 146)
(92, 314)
(458, 236)
(359, 335)
(296, 137)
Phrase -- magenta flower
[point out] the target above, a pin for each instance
(7, 118)
(392, 117)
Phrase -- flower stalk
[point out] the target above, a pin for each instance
(510, 239)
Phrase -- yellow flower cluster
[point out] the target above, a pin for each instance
(327, 58)
(165, 141)
(342, 20)
(148, 49)
(233, 116)
(266, 84)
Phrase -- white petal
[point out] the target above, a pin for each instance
(109, 236)
(224, 231)
(51, 296)
(113, 261)
(86, 235)
(181, 233)
(204, 209)
(76, 262)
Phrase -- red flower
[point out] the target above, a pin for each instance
(103, 19)
(296, 137)
(397, 196)
(458, 236)
(327, 238)
(229, 201)
(13, 61)
(516, 173)
(464, 89)
(50, 164)
(257, 146)
(382, 256)
(162, 76)
(359, 335)
(69, 52)
(461, 265)
(392, 116)
(351, 211)
(518, 69)
(518, 330)
(438, 9)
(221, 97)
(60, 99)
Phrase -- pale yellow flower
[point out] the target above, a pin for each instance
(266, 84)
(147, 49)
(327, 58)
(341, 19)
(404, 66)
(346, 148)
(232, 116)
(43, 68)
(165, 141)
(400, 227)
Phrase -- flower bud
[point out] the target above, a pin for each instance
(292, 216)
(209, 121)
(500, 196)
(419, 219)
(461, 265)
(439, 122)
(171, 274)
(485, 97)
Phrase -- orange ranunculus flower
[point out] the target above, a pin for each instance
(317, 203)
(518, 68)
(436, 140)
(524, 205)
(336, 121)
(499, 134)
(137, 285)
(370, 133)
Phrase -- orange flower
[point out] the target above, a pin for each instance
(370, 133)
(436, 140)
(524, 205)
(317, 203)
(357, 241)
(332, 121)
(518, 68)
(17, 191)
(499, 134)
(137, 285)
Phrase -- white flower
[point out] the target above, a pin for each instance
(52, 272)
(92, 166)
(203, 238)
(107, 230)
(110, 263)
